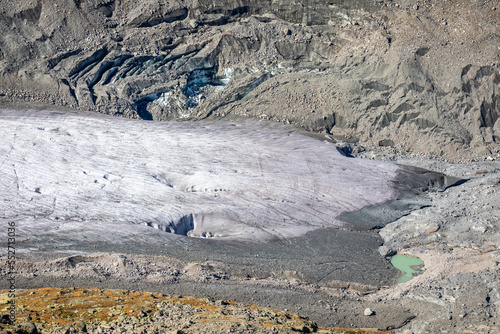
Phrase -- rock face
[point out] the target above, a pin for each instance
(416, 78)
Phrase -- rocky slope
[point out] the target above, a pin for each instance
(412, 76)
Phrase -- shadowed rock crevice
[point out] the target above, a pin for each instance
(31, 14)
(412, 184)
(183, 226)
(420, 180)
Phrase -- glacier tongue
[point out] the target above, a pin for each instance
(245, 180)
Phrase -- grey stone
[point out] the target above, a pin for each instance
(368, 312)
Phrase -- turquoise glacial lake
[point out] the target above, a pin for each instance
(410, 266)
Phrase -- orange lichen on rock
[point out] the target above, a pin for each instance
(62, 307)
(54, 310)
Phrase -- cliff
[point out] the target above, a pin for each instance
(418, 77)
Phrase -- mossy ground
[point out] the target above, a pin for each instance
(54, 309)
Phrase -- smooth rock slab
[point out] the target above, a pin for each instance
(245, 180)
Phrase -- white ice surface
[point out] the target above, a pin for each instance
(242, 180)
